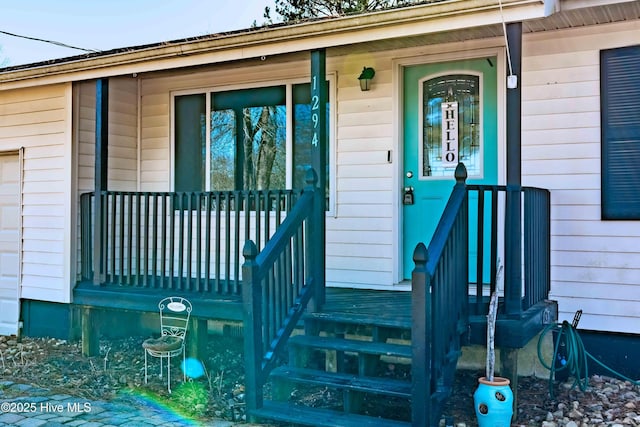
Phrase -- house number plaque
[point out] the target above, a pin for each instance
(315, 106)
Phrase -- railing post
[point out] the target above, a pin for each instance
(252, 312)
(315, 255)
(101, 168)
(513, 252)
(421, 339)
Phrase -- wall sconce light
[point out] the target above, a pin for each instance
(365, 78)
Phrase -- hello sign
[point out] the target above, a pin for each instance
(449, 134)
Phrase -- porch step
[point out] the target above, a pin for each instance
(381, 386)
(379, 320)
(302, 415)
(355, 346)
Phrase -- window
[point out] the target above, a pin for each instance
(620, 127)
(247, 146)
(450, 102)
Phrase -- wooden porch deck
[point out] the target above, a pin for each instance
(388, 307)
(385, 308)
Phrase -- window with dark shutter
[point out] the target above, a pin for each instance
(620, 125)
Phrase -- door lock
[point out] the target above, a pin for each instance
(407, 196)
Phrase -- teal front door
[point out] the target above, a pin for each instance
(450, 116)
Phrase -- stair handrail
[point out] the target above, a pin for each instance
(267, 328)
(439, 310)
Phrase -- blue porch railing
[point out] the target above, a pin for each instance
(279, 283)
(189, 241)
(486, 202)
(443, 290)
(439, 285)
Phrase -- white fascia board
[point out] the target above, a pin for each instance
(411, 21)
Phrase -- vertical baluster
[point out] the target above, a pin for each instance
(218, 246)
(274, 303)
(198, 208)
(129, 238)
(267, 215)
(275, 299)
(266, 292)
(172, 235)
(113, 240)
(154, 245)
(84, 250)
(237, 246)
(181, 213)
(480, 244)
(256, 208)
(147, 203)
(289, 276)
(207, 245)
(120, 239)
(227, 234)
(138, 238)
(493, 267)
(247, 203)
(302, 266)
(163, 239)
(189, 238)
(279, 197)
(285, 280)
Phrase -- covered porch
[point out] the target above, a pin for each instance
(258, 256)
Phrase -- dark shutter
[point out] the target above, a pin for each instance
(620, 117)
(190, 124)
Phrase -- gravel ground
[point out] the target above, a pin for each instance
(218, 394)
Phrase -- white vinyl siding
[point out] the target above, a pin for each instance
(595, 264)
(360, 239)
(39, 119)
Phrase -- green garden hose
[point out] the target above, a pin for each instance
(575, 357)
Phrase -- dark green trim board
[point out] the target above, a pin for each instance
(319, 149)
(319, 111)
(101, 170)
(620, 119)
(513, 242)
(46, 319)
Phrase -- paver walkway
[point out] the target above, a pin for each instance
(28, 406)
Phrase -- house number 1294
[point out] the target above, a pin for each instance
(315, 105)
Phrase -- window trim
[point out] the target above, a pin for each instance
(288, 83)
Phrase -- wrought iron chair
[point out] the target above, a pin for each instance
(174, 321)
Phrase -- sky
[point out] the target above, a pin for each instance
(108, 24)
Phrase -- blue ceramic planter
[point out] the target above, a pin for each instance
(493, 402)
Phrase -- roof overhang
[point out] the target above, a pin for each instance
(420, 20)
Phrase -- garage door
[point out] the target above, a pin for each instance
(9, 243)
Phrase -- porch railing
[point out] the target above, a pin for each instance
(279, 283)
(184, 241)
(488, 202)
(439, 284)
(464, 250)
